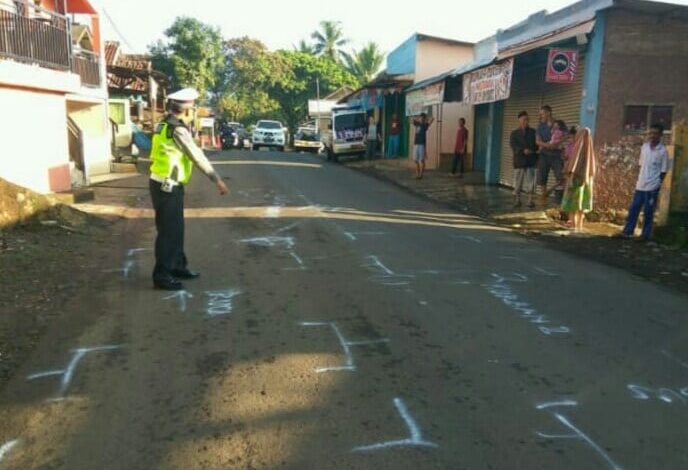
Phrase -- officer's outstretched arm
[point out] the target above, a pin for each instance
(183, 138)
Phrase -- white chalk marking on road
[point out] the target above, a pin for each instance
(273, 212)
(68, 373)
(353, 236)
(7, 447)
(288, 227)
(504, 292)
(576, 434)
(424, 303)
(375, 262)
(134, 251)
(545, 271)
(299, 261)
(125, 269)
(666, 395)
(287, 242)
(556, 404)
(467, 237)
(678, 361)
(349, 364)
(221, 302)
(181, 297)
(461, 283)
(416, 439)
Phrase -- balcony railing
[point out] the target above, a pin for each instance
(33, 35)
(87, 66)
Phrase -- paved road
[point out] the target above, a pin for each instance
(343, 324)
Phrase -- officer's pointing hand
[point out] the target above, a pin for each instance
(222, 187)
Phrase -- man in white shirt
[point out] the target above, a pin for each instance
(654, 165)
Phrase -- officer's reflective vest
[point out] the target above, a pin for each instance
(166, 156)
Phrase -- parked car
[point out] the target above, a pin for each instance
(233, 135)
(307, 138)
(271, 134)
(346, 133)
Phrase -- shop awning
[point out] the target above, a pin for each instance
(552, 38)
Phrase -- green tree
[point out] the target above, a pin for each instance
(297, 83)
(365, 63)
(250, 70)
(305, 47)
(329, 41)
(191, 54)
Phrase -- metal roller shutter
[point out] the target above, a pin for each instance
(526, 95)
(529, 92)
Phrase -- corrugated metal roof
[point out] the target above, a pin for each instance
(111, 52)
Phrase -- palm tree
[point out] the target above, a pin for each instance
(305, 47)
(329, 40)
(365, 63)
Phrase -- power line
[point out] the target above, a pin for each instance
(119, 33)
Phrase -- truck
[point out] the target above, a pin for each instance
(346, 132)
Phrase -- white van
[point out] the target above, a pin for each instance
(346, 133)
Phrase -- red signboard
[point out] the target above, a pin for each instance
(562, 66)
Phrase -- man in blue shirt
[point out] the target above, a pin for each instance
(550, 154)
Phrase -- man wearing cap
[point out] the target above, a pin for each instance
(173, 156)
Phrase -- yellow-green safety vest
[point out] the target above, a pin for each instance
(166, 156)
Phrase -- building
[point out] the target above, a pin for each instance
(53, 94)
(623, 66)
(419, 57)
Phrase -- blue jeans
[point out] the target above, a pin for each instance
(393, 146)
(646, 200)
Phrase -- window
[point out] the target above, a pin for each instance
(116, 111)
(638, 118)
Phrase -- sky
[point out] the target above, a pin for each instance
(282, 23)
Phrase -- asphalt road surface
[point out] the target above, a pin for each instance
(341, 323)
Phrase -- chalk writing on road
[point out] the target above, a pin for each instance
(353, 236)
(7, 447)
(349, 364)
(221, 302)
(300, 265)
(576, 433)
(665, 395)
(414, 440)
(181, 298)
(500, 289)
(67, 373)
(271, 241)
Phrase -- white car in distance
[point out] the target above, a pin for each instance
(269, 134)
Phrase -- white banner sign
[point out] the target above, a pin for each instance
(418, 100)
(488, 84)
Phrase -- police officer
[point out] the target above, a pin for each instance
(173, 156)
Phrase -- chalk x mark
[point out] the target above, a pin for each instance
(416, 439)
(349, 364)
(68, 373)
(576, 433)
(7, 447)
(181, 297)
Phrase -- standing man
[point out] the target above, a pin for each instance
(372, 138)
(422, 125)
(460, 148)
(523, 144)
(654, 165)
(550, 154)
(173, 156)
(394, 137)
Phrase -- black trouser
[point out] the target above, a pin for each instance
(169, 220)
(458, 158)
